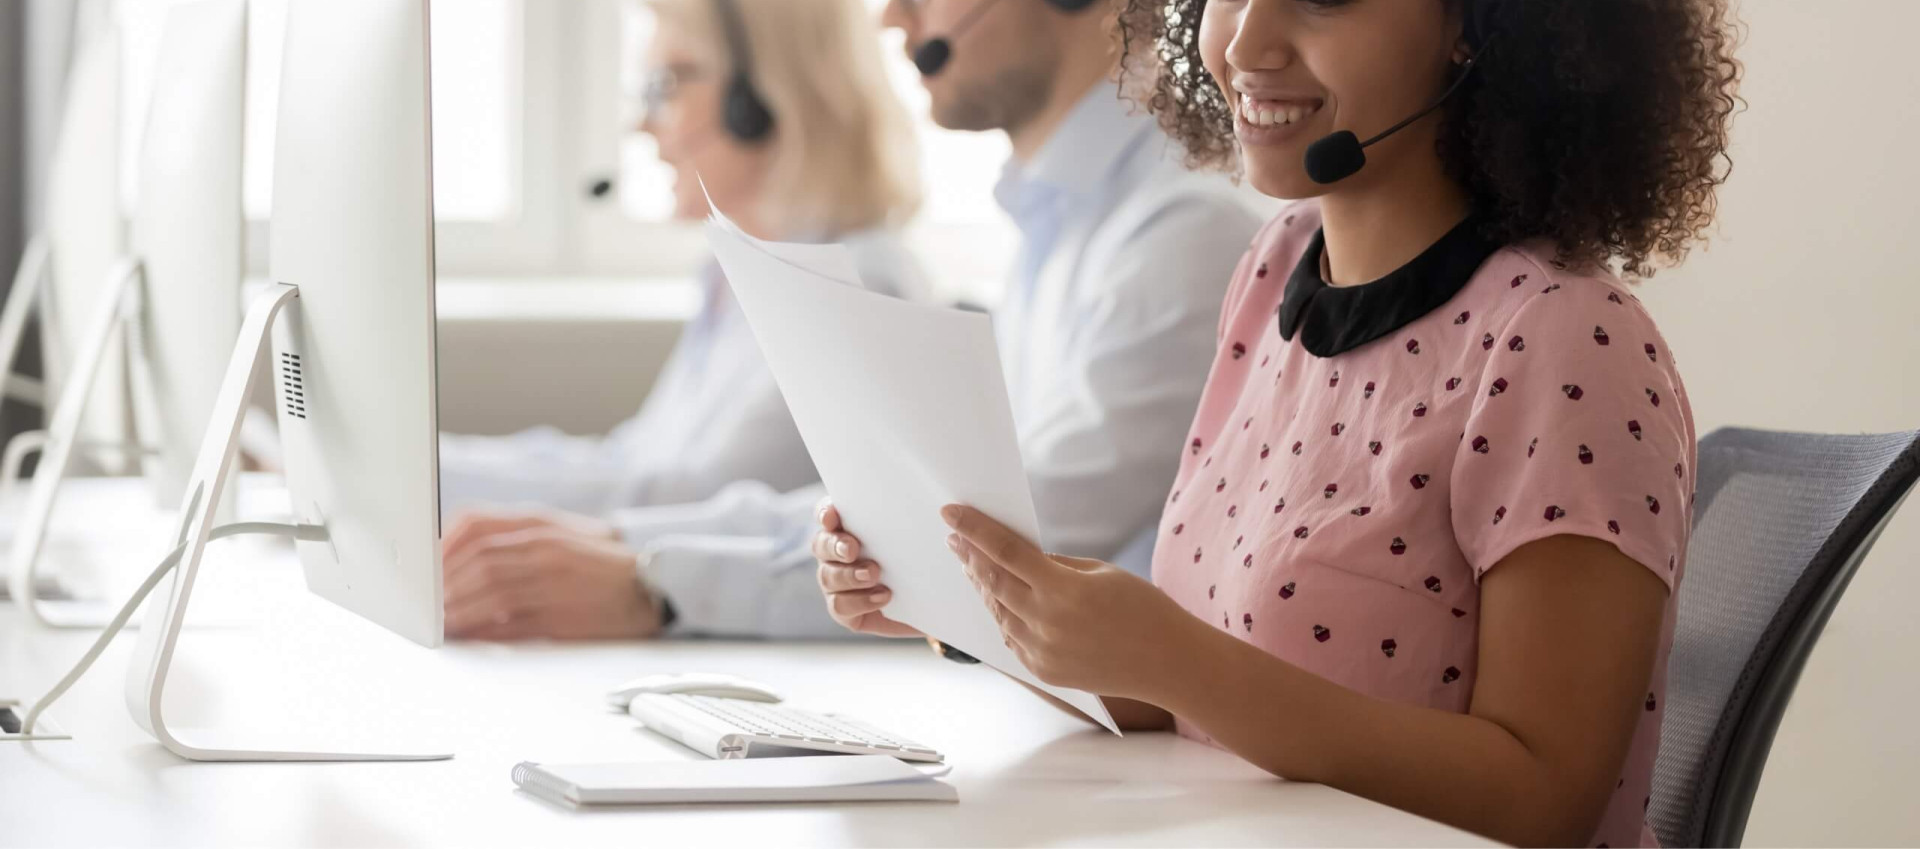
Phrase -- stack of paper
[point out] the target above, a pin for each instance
(904, 408)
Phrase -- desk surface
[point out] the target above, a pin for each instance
(1026, 774)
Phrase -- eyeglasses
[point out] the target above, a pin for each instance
(661, 87)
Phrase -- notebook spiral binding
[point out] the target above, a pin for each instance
(531, 778)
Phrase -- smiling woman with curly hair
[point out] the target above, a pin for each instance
(1433, 510)
(1598, 124)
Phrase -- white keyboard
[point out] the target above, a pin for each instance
(736, 728)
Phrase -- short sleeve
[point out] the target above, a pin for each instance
(1281, 235)
(1236, 290)
(1580, 427)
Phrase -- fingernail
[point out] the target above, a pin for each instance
(863, 574)
(951, 515)
(881, 595)
(953, 543)
(841, 548)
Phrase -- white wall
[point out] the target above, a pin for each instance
(1802, 315)
(576, 354)
(503, 376)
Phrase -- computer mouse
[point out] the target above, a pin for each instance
(695, 683)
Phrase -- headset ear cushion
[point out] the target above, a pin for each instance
(747, 117)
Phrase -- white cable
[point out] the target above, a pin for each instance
(300, 532)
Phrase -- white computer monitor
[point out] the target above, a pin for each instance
(351, 320)
(353, 229)
(184, 275)
(189, 231)
(84, 234)
(87, 236)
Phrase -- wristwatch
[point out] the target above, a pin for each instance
(951, 653)
(662, 604)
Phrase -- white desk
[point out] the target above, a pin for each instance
(1027, 775)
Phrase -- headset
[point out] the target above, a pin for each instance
(743, 115)
(743, 112)
(1340, 155)
(933, 54)
(746, 115)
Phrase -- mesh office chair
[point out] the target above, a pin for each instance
(1781, 525)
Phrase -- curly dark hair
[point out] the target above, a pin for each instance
(1600, 125)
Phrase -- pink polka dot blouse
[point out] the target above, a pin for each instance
(1337, 509)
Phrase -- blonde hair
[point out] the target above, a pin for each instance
(844, 153)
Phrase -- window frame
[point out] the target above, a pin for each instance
(526, 241)
(566, 134)
(603, 239)
(965, 260)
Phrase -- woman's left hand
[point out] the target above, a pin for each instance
(1074, 622)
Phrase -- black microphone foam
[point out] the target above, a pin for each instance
(1341, 155)
(930, 57)
(1335, 157)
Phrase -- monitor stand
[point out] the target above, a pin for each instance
(27, 281)
(51, 602)
(212, 472)
(58, 442)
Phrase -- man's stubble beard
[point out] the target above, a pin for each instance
(1008, 101)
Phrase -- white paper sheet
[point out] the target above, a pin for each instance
(904, 408)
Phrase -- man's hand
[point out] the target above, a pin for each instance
(525, 575)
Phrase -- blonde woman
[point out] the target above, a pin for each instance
(781, 109)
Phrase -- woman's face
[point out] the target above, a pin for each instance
(1295, 71)
(683, 113)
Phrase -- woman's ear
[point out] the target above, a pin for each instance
(1457, 23)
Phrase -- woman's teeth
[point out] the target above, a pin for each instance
(1273, 114)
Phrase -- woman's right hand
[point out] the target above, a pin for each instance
(852, 585)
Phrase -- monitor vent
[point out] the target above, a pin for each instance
(293, 387)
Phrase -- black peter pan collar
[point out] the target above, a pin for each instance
(1333, 320)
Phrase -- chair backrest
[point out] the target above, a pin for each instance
(1781, 523)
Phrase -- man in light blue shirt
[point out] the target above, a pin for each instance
(714, 417)
(1107, 330)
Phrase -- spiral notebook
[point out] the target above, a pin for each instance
(827, 778)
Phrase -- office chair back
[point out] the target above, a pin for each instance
(1781, 524)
